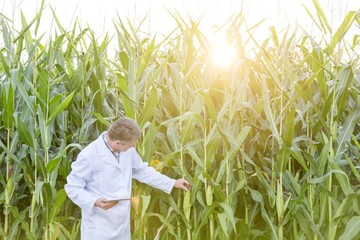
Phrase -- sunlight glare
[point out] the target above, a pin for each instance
(222, 53)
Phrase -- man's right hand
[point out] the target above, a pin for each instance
(100, 202)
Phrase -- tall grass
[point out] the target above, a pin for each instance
(270, 143)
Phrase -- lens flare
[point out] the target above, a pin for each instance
(222, 53)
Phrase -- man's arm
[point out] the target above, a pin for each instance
(142, 172)
(81, 171)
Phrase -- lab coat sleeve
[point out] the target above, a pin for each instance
(142, 172)
(81, 171)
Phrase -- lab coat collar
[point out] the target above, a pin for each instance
(104, 152)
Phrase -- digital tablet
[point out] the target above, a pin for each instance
(119, 199)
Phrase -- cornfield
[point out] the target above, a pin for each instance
(270, 143)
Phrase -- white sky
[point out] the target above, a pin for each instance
(99, 14)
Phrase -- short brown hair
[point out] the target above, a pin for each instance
(124, 129)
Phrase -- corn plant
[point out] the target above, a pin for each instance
(270, 143)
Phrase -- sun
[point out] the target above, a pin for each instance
(222, 52)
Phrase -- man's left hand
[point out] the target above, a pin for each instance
(182, 184)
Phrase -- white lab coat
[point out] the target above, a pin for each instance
(96, 173)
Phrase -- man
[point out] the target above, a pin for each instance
(103, 171)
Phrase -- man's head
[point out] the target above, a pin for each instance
(123, 134)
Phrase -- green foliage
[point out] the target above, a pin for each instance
(270, 143)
